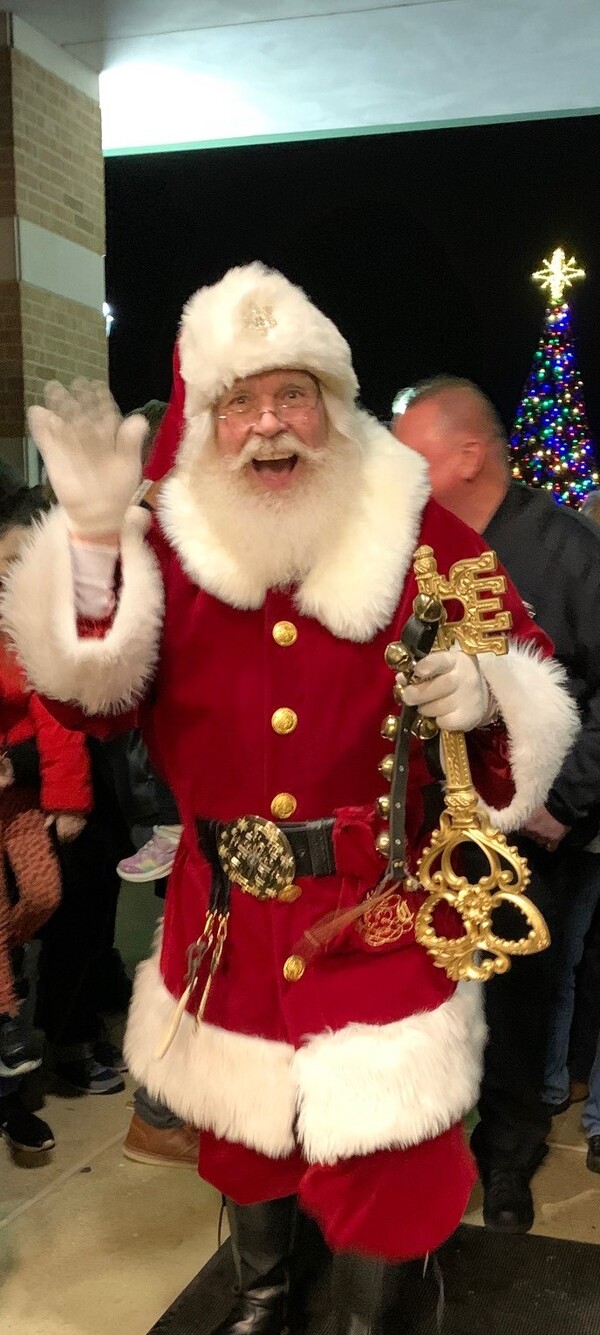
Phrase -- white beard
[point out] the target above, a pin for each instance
(277, 536)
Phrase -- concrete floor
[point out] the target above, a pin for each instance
(92, 1244)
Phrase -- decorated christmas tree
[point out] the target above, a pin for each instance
(551, 444)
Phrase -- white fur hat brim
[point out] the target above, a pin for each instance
(255, 320)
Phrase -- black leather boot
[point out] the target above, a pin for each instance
(262, 1237)
(373, 1297)
(309, 1281)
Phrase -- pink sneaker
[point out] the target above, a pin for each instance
(155, 859)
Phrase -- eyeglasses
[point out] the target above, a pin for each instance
(288, 404)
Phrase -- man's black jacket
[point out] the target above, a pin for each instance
(553, 557)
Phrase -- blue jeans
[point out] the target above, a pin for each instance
(584, 895)
(590, 1116)
(10, 1084)
(153, 1113)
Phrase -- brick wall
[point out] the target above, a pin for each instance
(7, 175)
(51, 174)
(59, 171)
(43, 337)
(11, 361)
(61, 340)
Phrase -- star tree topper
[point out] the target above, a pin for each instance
(557, 274)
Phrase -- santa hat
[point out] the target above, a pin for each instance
(255, 320)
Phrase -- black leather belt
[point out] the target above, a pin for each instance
(309, 844)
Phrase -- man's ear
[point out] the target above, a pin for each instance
(472, 453)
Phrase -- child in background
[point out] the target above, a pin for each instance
(29, 872)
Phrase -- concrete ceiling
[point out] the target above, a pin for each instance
(212, 71)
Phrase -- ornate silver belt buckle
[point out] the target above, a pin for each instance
(257, 856)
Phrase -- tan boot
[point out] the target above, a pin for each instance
(176, 1146)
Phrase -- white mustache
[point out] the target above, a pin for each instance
(281, 447)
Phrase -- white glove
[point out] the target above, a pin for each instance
(449, 687)
(92, 456)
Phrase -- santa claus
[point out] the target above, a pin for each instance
(248, 627)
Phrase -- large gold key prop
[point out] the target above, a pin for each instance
(479, 953)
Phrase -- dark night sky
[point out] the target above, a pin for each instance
(419, 245)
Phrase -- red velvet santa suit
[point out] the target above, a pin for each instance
(166, 441)
(233, 763)
(349, 1085)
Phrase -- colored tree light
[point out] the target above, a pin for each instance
(551, 443)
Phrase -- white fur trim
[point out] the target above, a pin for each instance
(542, 723)
(100, 675)
(240, 1087)
(354, 588)
(365, 1088)
(218, 343)
(355, 1091)
(207, 562)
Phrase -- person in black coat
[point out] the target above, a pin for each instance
(553, 557)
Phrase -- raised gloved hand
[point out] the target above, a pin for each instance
(449, 687)
(92, 455)
(68, 825)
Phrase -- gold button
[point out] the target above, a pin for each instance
(290, 894)
(283, 806)
(285, 633)
(284, 721)
(293, 968)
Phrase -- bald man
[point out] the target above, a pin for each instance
(553, 557)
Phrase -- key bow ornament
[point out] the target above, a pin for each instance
(464, 826)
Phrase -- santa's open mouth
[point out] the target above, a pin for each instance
(285, 464)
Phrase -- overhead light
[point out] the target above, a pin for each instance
(149, 105)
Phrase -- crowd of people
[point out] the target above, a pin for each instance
(544, 1016)
(263, 407)
(77, 817)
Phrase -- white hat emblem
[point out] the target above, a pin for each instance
(259, 319)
